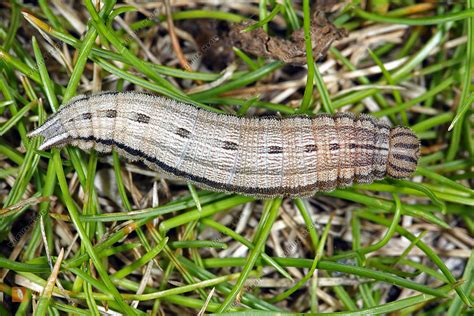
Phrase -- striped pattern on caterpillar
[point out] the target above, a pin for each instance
(258, 156)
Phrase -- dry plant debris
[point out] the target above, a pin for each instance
(258, 43)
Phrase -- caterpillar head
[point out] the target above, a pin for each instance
(403, 153)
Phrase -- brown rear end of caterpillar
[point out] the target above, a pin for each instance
(262, 157)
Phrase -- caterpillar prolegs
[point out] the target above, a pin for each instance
(259, 156)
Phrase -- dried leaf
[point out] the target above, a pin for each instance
(292, 51)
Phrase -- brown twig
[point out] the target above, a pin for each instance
(174, 38)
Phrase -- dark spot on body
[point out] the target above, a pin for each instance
(275, 150)
(310, 148)
(111, 113)
(142, 118)
(86, 116)
(230, 145)
(334, 146)
(184, 133)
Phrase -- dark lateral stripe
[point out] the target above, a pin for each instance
(366, 146)
(399, 169)
(406, 146)
(405, 158)
(271, 191)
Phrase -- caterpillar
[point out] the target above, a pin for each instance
(263, 157)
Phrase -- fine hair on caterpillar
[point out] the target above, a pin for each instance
(258, 156)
